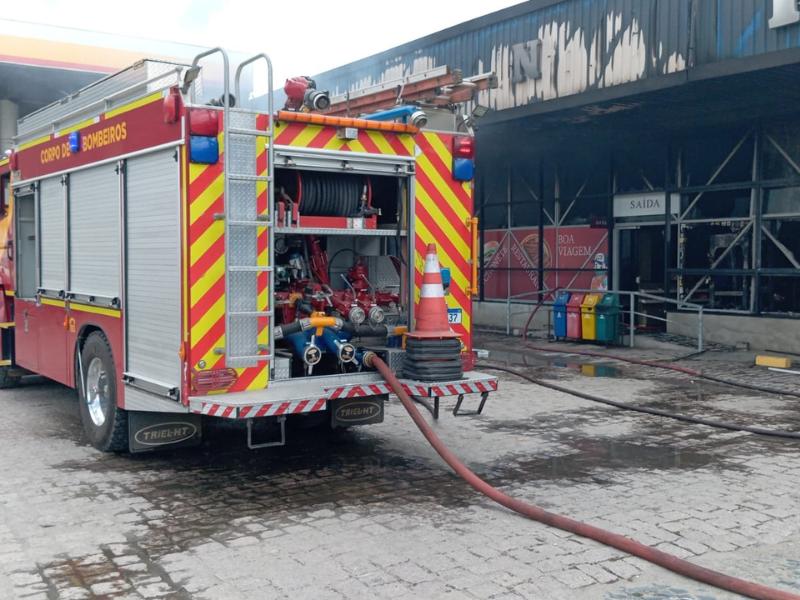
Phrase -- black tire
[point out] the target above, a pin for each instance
(7, 380)
(111, 433)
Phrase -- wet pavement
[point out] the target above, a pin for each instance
(373, 513)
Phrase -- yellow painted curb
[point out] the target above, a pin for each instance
(780, 362)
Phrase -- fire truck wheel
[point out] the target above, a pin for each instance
(105, 424)
(7, 380)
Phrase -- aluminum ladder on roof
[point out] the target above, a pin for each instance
(248, 335)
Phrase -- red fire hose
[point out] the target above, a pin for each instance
(615, 540)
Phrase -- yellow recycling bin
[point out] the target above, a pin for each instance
(589, 316)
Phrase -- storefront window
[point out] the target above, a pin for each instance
(780, 294)
(525, 200)
(718, 251)
(782, 201)
(724, 204)
(492, 192)
(782, 150)
(780, 244)
(640, 168)
(717, 157)
(716, 245)
(585, 210)
(717, 291)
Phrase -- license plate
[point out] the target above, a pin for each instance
(454, 316)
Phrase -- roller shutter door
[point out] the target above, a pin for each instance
(52, 215)
(153, 303)
(94, 228)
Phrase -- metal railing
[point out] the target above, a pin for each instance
(630, 310)
(173, 77)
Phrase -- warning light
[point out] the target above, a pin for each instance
(172, 106)
(204, 121)
(463, 169)
(204, 150)
(75, 142)
(463, 154)
(215, 379)
(463, 146)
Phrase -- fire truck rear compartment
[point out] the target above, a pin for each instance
(348, 263)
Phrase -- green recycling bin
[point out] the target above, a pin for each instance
(608, 319)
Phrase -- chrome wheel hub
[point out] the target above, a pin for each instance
(98, 391)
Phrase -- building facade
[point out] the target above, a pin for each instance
(654, 143)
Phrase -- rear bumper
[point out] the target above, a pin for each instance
(292, 397)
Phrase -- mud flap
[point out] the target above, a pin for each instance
(347, 412)
(149, 431)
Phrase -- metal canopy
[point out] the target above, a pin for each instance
(34, 87)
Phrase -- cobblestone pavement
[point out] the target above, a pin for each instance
(372, 513)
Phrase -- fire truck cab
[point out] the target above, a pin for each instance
(175, 255)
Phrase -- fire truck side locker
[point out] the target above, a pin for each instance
(53, 256)
(27, 329)
(152, 300)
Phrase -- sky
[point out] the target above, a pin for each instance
(305, 37)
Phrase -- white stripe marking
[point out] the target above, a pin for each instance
(432, 264)
(431, 290)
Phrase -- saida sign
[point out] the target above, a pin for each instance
(643, 204)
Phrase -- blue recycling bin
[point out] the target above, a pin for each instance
(560, 315)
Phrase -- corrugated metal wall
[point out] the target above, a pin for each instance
(585, 45)
(740, 28)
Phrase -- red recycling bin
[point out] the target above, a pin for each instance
(574, 316)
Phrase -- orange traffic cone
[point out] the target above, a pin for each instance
(431, 313)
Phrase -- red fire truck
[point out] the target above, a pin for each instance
(175, 257)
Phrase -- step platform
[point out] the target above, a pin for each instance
(312, 394)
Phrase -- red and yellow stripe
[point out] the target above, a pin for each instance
(442, 212)
(323, 137)
(443, 209)
(206, 270)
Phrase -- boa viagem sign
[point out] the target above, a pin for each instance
(571, 257)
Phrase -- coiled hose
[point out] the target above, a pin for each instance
(330, 194)
(615, 540)
(668, 367)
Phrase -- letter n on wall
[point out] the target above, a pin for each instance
(526, 61)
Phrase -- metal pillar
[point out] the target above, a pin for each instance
(540, 250)
(756, 210)
(508, 254)
(9, 112)
(667, 215)
(633, 320)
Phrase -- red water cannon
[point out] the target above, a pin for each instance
(357, 276)
(302, 95)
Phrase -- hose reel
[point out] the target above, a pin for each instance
(328, 194)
